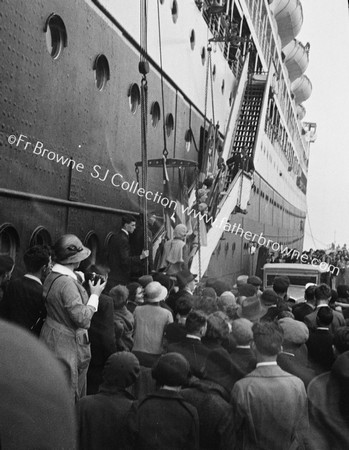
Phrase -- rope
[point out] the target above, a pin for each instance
(165, 151)
(144, 69)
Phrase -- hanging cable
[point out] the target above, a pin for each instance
(143, 68)
(165, 151)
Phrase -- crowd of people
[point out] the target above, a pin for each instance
(165, 361)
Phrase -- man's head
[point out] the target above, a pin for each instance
(119, 294)
(186, 280)
(184, 305)
(323, 293)
(196, 323)
(37, 260)
(343, 291)
(128, 223)
(280, 285)
(242, 331)
(309, 294)
(324, 317)
(255, 281)
(172, 370)
(341, 340)
(267, 339)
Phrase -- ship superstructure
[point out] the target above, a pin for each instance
(225, 79)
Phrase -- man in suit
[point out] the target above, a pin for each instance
(23, 301)
(120, 259)
(323, 296)
(191, 346)
(270, 404)
(320, 342)
(301, 310)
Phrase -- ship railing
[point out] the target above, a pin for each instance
(237, 195)
(262, 26)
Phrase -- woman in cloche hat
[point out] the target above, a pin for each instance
(69, 311)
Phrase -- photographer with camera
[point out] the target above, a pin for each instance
(69, 311)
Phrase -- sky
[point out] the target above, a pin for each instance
(326, 27)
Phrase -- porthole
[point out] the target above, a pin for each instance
(174, 11)
(155, 114)
(134, 97)
(169, 124)
(102, 72)
(9, 240)
(214, 72)
(40, 236)
(203, 56)
(56, 35)
(91, 241)
(223, 86)
(192, 39)
(188, 138)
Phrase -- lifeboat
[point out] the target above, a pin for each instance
(289, 17)
(296, 58)
(301, 89)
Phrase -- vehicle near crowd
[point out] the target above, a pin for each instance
(299, 275)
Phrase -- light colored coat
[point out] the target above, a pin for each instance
(270, 410)
(65, 329)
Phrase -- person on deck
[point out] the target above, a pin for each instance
(175, 254)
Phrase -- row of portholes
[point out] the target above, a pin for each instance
(57, 40)
(10, 240)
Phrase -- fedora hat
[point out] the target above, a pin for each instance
(69, 249)
(155, 292)
(252, 309)
(184, 277)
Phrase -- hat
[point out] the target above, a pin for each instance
(6, 264)
(121, 369)
(144, 280)
(241, 279)
(227, 299)
(171, 369)
(269, 297)
(69, 249)
(255, 281)
(184, 277)
(281, 283)
(294, 331)
(165, 280)
(247, 290)
(180, 231)
(252, 309)
(221, 286)
(209, 292)
(155, 292)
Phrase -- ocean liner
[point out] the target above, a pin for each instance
(114, 106)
